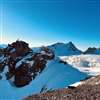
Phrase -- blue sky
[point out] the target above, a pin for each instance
(43, 22)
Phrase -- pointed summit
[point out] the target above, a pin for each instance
(71, 46)
(63, 49)
(71, 43)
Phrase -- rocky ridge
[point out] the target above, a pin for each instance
(21, 64)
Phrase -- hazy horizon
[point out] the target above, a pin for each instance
(44, 22)
(33, 46)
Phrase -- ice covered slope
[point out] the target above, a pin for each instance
(55, 75)
(89, 90)
(62, 49)
(85, 63)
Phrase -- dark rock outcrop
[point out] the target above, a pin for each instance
(23, 63)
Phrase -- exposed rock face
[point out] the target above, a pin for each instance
(23, 63)
(22, 75)
(17, 49)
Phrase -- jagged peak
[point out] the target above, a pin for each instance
(62, 44)
(71, 44)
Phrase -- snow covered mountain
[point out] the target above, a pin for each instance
(92, 51)
(67, 49)
(25, 71)
(55, 75)
(22, 63)
(62, 49)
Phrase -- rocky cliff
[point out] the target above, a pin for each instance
(21, 64)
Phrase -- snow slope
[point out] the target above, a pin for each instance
(55, 75)
(89, 64)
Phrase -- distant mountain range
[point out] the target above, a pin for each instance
(65, 49)
(92, 51)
